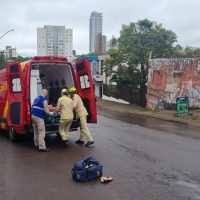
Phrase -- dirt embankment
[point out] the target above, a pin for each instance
(193, 118)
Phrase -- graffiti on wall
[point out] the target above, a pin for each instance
(171, 78)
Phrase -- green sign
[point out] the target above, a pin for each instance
(182, 105)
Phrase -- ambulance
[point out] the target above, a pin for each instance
(21, 83)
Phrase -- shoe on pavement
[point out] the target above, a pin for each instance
(89, 143)
(44, 150)
(79, 142)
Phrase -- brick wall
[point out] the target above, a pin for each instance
(170, 78)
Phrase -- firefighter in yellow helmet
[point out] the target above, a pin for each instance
(81, 113)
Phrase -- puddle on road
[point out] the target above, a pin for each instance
(153, 123)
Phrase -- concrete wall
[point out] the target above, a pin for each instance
(170, 78)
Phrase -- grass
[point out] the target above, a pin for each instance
(195, 117)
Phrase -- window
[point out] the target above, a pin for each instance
(84, 80)
(16, 85)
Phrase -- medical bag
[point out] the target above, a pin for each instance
(87, 169)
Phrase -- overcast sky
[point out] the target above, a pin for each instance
(25, 16)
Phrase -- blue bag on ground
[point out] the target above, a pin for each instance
(87, 169)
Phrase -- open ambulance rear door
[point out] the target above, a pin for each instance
(15, 116)
(86, 89)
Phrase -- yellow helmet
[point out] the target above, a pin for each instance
(72, 89)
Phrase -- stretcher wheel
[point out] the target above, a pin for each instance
(12, 134)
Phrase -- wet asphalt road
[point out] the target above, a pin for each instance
(147, 158)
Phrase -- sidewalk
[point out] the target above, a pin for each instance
(170, 115)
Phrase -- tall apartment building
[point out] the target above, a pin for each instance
(10, 53)
(96, 21)
(100, 45)
(55, 41)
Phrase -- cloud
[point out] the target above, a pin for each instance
(180, 16)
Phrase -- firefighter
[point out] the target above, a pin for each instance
(81, 113)
(39, 108)
(65, 104)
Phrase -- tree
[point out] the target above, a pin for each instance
(114, 60)
(114, 43)
(188, 52)
(137, 43)
(91, 54)
(18, 58)
(2, 60)
(143, 40)
(197, 53)
(22, 59)
(179, 47)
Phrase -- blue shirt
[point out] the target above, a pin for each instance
(38, 107)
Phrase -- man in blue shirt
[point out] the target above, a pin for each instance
(38, 111)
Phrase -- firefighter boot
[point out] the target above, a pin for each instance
(79, 142)
(89, 143)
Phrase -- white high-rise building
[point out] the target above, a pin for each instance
(10, 52)
(96, 21)
(55, 41)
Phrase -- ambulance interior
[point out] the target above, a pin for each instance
(50, 76)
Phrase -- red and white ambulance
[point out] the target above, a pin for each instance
(20, 83)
